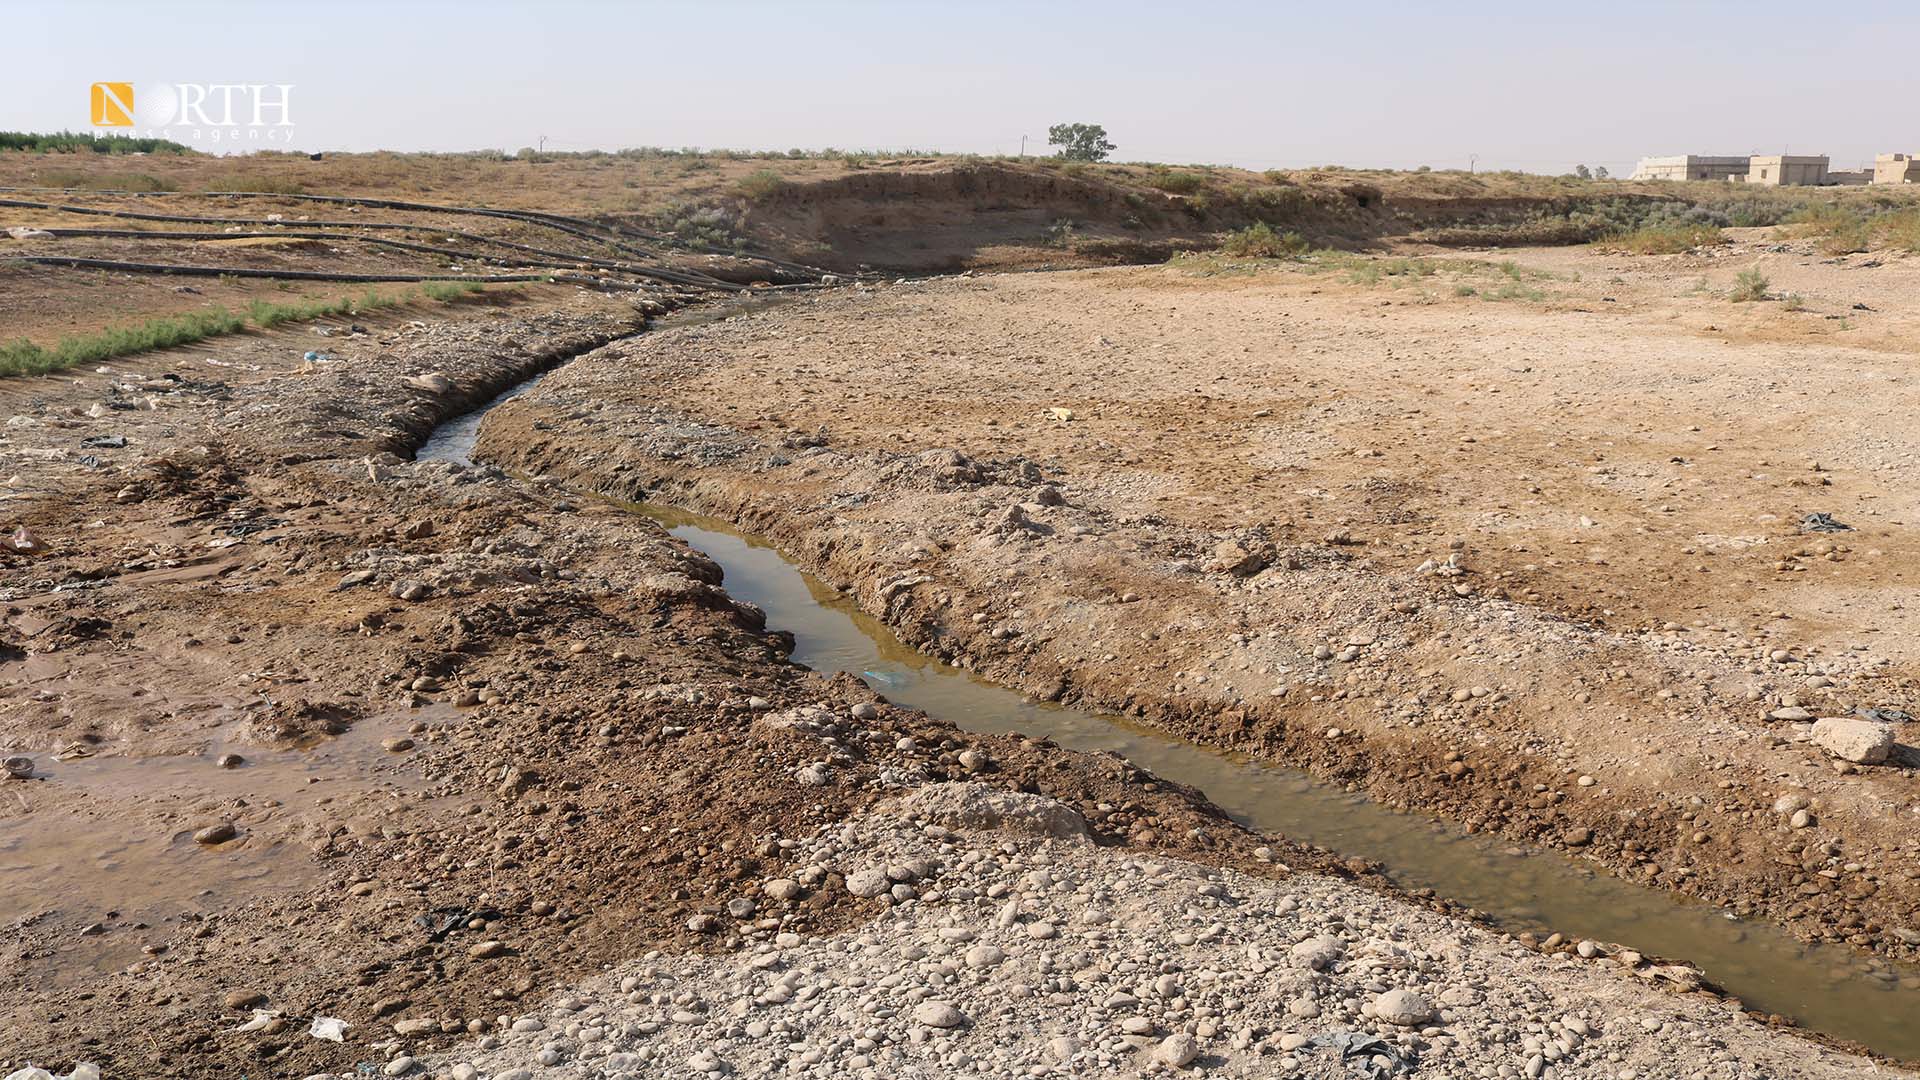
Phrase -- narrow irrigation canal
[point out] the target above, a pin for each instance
(1827, 989)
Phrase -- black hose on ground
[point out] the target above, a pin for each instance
(315, 275)
(580, 227)
(564, 262)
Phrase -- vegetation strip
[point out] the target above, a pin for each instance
(23, 357)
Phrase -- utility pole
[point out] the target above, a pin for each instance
(1023, 147)
(543, 144)
(1473, 162)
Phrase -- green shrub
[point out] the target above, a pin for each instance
(1749, 285)
(450, 290)
(25, 358)
(1176, 183)
(1260, 241)
(759, 185)
(72, 141)
(1903, 230)
(1664, 239)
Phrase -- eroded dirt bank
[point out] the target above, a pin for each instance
(1536, 565)
(320, 731)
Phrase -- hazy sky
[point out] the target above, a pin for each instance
(1536, 86)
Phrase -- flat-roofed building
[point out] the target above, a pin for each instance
(1896, 169)
(1787, 170)
(1691, 167)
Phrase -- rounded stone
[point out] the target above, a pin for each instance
(938, 1014)
(1405, 1008)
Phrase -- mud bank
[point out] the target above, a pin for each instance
(1301, 645)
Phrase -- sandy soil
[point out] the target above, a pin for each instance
(1529, 557)
(460, 708)
(318, 730)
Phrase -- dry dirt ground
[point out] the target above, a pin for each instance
(427, 707)
(319, 730)
(1516, 543)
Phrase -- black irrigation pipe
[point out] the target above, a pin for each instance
(187, 219)
(575, 226)
(564, 262)
(580, 227)
(309, 275)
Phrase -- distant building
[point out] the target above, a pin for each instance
(1850, 177)
(1772, 170)
(1691, 167)
(1896, 169)
(1787, 170)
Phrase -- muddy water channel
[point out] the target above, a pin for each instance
(1827, 989)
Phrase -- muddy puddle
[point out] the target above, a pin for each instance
(100, 849)
(1827, 989)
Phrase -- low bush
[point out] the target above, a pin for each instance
(1749, 285)
(1175, 183)
(1261, 241)
(759, 185)
(1664, 239)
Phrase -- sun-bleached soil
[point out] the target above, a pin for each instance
(1517, 540)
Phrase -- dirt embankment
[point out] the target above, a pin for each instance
(1310, 520)
(321, 731)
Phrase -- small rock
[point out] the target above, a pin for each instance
(487, 950)
(938, 1014)
(216, 834)
(1317, 953)
(782, 889)
(1863, 742)
(868, 883)
(1406, 1008)
(1177, 1050)
(243, 999)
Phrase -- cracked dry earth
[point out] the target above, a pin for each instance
(1535, 566)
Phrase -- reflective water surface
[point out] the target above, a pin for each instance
(1825, 988)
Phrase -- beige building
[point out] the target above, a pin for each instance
(1787, 170)
(1691, 167)
(1896, 169)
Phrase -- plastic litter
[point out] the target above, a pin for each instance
(314, 357)
(24, 542)
(1368, 1055)
(28, 232)
(85, 1070)
(261, 1018)
(1823, 522)
(104, 442)
(1883, 714)
(886, 678)
(330, 1028)
(17, 767)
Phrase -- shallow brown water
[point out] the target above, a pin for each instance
(1828, 989)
